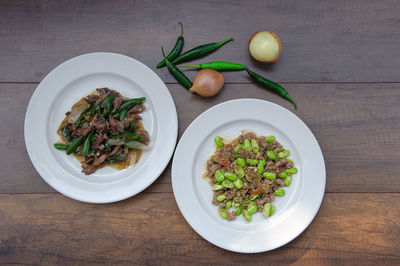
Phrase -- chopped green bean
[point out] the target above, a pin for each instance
(219, 176)
(267, 209)
(218, 141)
(87, 143)
(227, 184)
(247, 145)
(269, 139)
(241, 162)
(255, 146)
(247, 178)
(247, 216)
(237, 148)
(260, 166)
(230, 176)
(222, 212)
(239, 209)
(221, 197)
(280, 192)
(228, 205)
(283, 174)
(273, 208)
(292, 170)
(288, 180)
(253, 208)
(122, 115)
(74, 145)
(217, 187)
(284, 154)
(271, 155)
(238, 183)
(239, 171)
(251, 161)
(269, 176)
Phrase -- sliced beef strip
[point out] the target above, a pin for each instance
(117, 126)
(83, 130)
(91, 99)
(99, 160)
(117, 101)
(144, 135)
(99, 123)
(137, 109)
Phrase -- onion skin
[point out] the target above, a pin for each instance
(265, 47)
(207, 82)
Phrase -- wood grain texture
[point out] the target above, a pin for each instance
(328, 41)
(149, 229)
(358, 132)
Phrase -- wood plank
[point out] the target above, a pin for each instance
(352, 228)
(358, 132)
(322, 40)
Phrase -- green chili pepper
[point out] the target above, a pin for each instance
(72, 147)
(126, 105)
(119, 158)
(60, 146)
(122, 115)
(200, 51)
(218, 65)
(180, 77)
(271, 85)
(176, 50)
(87, 143)
(66, 133)
(81, 120)
(107, 104)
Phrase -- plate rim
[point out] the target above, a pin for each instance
(196, 228)
(174, 119)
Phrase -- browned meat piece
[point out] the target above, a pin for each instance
(68, 113)
(103, 91)
(212, 168)
(117, 126)
(99, 122)
(137, 109)
(99, 160)
(133, 117)
(117, 101)
(98, 139)
(83, 130)
(145, 136)
(88, 160)
(91, 98)
(275, 144)
(88, 169)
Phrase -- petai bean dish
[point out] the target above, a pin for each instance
(104, 128)
(246, 174)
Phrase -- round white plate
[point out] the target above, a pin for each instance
(294, 211)
(71, 81)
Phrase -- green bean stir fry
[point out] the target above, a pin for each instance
(104, 128)
(247, 173)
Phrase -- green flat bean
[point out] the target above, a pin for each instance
(218, 141)
(269, 139)
(228, 205)
(255, 146)
(221, 197)
(280, 192)
(239, 209)
(217, 187)
(271, 155)
(222, 212)
(269, 176)
(238, 183)
(247, 145)
(284, 154)
(260, 166)
(292, 170)
(241, 162)
(247, 216)
(239, 171)
(227, 184)
(230, 176)
(288, 180)
(219, 176)
(283, 174)
(276, 150)
(273, 208)
(251, 161)
(237, 148)
(267, 209)
(74, 145)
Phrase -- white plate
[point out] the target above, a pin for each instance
(294, 211)
(71, 81)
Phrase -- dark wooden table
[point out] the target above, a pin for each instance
(340, 61)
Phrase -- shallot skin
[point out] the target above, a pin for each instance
(207, 83)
